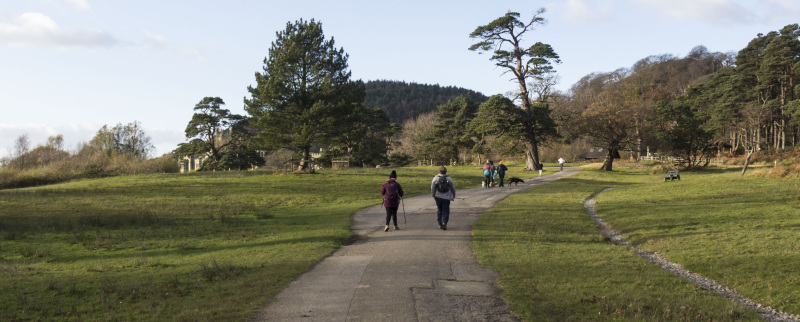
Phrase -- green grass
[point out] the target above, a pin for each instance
(740, 231)
(216, 246)
(743, 232)
(201, 246)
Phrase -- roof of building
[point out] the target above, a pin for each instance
(596, 153)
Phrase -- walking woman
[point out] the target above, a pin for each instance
(487, 174)
(391, 191)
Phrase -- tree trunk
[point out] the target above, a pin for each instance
(305, 159)
(608, 163)
(746, 162)
(531, 156)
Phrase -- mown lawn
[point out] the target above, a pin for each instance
(741, 231)
(202, 246)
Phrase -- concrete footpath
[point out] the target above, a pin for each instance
(417, 273)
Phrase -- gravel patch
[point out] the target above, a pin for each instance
(767, 312)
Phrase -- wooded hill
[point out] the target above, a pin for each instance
(402, 101)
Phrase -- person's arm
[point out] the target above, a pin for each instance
(383, 190)
(453, 188)
(433, 188)
(399, 190)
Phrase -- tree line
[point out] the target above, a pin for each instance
(693, 107)
(303, 98)
(114, 150)
(697, 106)
(404, 101)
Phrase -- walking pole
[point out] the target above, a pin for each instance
(404, 211)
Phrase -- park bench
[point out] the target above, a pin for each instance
(672, 175)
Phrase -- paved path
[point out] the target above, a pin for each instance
(418, 273)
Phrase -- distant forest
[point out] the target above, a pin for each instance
(402, 101)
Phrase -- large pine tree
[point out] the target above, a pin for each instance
(303, 90)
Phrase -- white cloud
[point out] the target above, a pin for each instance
(723, 12)
(154, 41)
(80, 4)
(194, 53)
(36, 30)
(580, 11)
(159, 42)
(772, 10)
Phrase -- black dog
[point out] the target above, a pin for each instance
(515, 181)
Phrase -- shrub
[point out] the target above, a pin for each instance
(85, 165)
(661, 168)
(400, 160)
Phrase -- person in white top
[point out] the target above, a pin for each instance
(561, 163)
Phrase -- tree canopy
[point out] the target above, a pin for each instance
(224, 137)
(302, 90)
(503, 37)
(404, 101)
(123, 139)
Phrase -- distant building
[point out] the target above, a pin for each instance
(191, 162)
(595, 154)
(195, 162)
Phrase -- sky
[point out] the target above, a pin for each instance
(71, 66)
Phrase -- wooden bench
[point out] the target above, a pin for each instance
(672, 175)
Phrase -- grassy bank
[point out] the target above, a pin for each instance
(202, 246)
(741, 232)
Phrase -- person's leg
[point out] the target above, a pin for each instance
(388, 218)
(486, 180)
(394, 218)
(439, 211)
(501, 179)
(445, 213)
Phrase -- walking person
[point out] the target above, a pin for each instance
(443, 190)
(391, 191)
(501, 171)
(561, 163)
(487, 174)
(493, 175)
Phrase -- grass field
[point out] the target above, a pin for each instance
(201, 246)
(216, 246)
(743, 232)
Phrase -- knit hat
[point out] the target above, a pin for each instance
(393, 175)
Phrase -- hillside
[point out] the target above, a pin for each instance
(403, 101)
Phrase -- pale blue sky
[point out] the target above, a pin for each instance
(70, 66)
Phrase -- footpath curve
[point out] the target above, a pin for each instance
(417, 273)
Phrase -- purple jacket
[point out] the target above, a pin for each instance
(391, 202)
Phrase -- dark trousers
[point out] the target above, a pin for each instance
(502, 175)
(487, 180)
(391, 214)
(442, 210)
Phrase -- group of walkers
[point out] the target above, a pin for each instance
(491, 174)
(443, 191)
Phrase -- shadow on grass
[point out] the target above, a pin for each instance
(198, 250)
